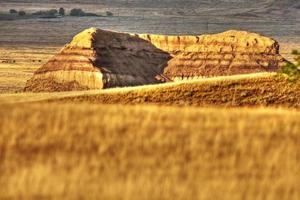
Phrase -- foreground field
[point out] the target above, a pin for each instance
(81, 151)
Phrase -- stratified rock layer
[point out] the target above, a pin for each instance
(97, 59)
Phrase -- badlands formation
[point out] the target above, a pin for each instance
(97, 59)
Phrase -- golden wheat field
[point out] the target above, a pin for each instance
(83, 151)
(215, 138)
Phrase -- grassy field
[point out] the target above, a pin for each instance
(17, 65)
(83, 151)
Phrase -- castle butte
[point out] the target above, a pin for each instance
(97, 59)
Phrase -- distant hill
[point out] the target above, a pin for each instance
(214, 3)
(289, 3)
(171, 3)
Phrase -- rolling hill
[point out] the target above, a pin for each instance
(262, 89)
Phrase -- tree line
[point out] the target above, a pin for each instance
(60, 12)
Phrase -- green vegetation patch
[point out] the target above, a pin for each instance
(292, 70)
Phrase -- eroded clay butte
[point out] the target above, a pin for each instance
(97, 59)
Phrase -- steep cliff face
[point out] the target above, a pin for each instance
(97, 59)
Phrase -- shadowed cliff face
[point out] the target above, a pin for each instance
(97, 59)
(126, 59)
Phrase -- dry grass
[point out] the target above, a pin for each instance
(54, 151)
(265, 89)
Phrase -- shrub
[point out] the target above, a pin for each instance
(47, 13)
(51, 12)
(77, 12)
(13, 11)
(61, 11)
(292, 70)
(90, 14)
(21, 13)
(109, 14)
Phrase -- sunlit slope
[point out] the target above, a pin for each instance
(265, 89)
(51, 151)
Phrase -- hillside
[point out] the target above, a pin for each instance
(263, 89)
(242, 90)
